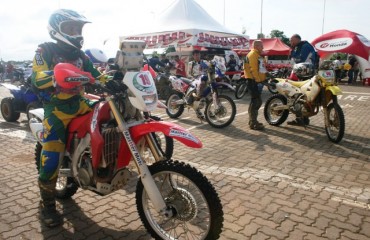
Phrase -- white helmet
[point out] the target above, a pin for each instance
(96, 56)
(304, 70)
(57, 22)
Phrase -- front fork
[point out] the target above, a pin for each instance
(145, 175)
(325, 104)
(158, 156)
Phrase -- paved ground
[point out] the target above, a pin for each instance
(284, 183)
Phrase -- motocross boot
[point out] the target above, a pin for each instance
(49, 215)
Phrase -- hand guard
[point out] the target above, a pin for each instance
(69, 76)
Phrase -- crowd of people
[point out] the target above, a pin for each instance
(6, 70)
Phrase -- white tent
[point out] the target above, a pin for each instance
(185, 24)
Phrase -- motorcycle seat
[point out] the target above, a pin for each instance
(298, 84)
(186, 80)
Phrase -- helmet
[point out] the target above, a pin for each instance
(303, 70)
(60, 22)
(96, 56)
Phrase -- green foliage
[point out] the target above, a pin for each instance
(155, 53)
(343, 56)
(170, 49)
(260, 35)
(280, 34)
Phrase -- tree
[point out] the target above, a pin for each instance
(280, 34)
(260, 35)
(170, 49)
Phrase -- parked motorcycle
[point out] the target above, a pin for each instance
(165, 143)
(163, 83)
(174, 200)
(219, 110)
(23, 100)
(277, 73)
(242, 86)
(305, 99)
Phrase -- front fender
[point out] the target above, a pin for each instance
(169, 129)
(335, 90)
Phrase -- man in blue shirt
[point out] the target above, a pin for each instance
(302, 51)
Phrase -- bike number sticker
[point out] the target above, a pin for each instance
(143, 82)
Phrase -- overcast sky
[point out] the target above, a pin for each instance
(23, 23)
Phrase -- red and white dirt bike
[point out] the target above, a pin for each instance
(218, 110)
(174, 200)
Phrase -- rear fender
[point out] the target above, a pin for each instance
(39, 113)
(11, 87)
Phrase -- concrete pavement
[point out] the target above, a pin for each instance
(283, 183)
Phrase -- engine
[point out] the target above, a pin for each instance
(105, 172)
(301, 107)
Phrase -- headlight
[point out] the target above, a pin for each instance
(150, 99)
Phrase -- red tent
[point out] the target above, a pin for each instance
(271, 46)
(342, 41)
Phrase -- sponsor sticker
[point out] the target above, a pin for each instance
(182, 134)
(334, 44)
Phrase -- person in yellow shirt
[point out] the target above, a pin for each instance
(255, 73)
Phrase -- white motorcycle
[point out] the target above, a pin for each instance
(305, 99)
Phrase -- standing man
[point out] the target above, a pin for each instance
(2, 70)
(155, 63)
(302, 51)
(231, 65)
(165, 61)
(197, 67)
(337, 63)
(352, 61)
(255, 72)
(180, 67)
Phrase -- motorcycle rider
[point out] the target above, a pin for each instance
(196, 68)
(302, 52)
(155, 63)
(255, 73)
(60, 105)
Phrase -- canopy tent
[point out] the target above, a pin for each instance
(344, 41)
(185, 24)
(271, 46)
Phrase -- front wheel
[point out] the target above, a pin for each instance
(241, 90)
(196, 207)
(222, 114)
(8, 110)
(274, 111)
(66, 187)
(335, 130)
(174, 108)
